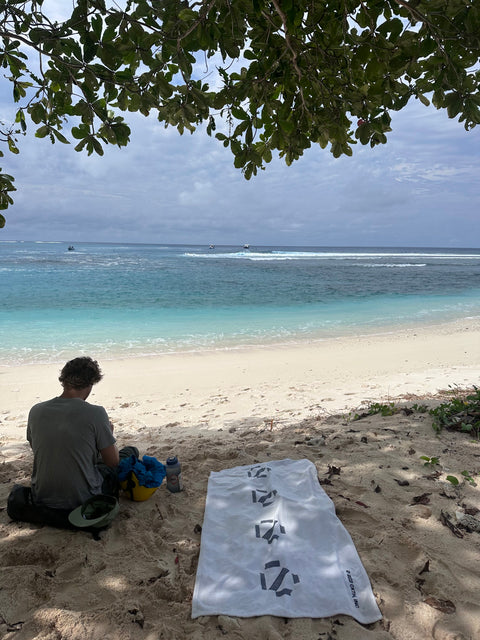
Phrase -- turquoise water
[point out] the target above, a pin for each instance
(122, 299)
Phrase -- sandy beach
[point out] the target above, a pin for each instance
(222, 409)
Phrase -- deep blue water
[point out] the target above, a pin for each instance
(118, 299)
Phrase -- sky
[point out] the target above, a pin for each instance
(421, 189)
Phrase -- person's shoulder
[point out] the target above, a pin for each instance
(95, 408)
(44, 403)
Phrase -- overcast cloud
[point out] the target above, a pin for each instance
(421, 189)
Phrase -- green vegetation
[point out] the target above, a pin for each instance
(384, 409)
(430, 462)
(461, 413)
(263, 77)
(420, 408)
(468, 477)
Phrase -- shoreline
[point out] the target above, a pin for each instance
(231, 345)
(268, 381)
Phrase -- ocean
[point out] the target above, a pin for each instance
(117, 300)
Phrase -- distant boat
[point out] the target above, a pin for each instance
(71, 248)
(246, 246)
(212, 246)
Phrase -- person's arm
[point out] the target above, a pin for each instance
(110, 455)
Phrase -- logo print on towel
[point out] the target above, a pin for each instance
(259, 472)
(266, 499)
(270, 534)
(282, 575)
(352, 588)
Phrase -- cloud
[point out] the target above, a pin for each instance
(419, 189)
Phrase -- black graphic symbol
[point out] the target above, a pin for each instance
(270, 534)
(259, 472)
(283, 574)
(265, 500)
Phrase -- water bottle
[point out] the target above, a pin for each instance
(174, 474)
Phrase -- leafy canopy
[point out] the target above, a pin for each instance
(270, 75)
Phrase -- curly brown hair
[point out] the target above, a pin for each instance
(80, 373)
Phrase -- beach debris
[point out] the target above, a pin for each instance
(385, 624)
(221, 629)
(425, 568)
(323, 481)
(471, 511)
(333, 471)
(448, 491)
(467, 522)
(423, 499)
(359, 502)
(445, 519)
(153, 579)
(197, 529)
(227, 623)
(11, 626)
(138, 617)
(402, 483)
(433, 476)
(445, 606)
(419, 582)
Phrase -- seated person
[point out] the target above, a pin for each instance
(75, 455)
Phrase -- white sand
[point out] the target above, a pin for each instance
(221, 409)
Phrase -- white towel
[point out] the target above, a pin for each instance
(272, 545)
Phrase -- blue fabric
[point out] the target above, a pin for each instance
(149, 471)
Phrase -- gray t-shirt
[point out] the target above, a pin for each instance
(66, 436)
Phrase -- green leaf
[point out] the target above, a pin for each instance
(81, 145)
(453, 480)
(60, 137)
(97, 24)
(454, 104)
(80, 132)
(12, 147)
(239, 113)
(187, 14)
(42, 132)
(97, 147)
(423, 99)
